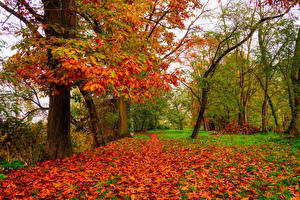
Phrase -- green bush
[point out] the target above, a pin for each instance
(8, 166)
(22, 141)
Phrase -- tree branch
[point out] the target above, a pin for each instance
(32, 28)
(32, 111)
(157, 22)
(183, 38)
(228, 50)
(38, 17)
(192, 91)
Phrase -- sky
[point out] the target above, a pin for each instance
(11, 40)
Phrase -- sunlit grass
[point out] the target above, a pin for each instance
(205, 137)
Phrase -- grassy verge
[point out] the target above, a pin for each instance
(227, 140)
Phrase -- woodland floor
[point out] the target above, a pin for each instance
(139, 168)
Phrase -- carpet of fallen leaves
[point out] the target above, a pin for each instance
(134, 168)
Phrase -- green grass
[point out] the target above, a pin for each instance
(225, 140)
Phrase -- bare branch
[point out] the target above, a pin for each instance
(157, 22)
(224, 40)
(22, 18)
(183, 38)
(38, 17)
(33, 111)
(151, 15)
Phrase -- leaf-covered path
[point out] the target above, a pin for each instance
(134, 168)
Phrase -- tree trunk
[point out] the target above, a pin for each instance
(201, 113)
(264, 113)
(295, 76)
(180, 124)
(58, 13)
(263, 51)
(274, 115)
(58, 131)
(291, 104)
(155, 122)
(245, 112)
(205, 126)
(143, 124)
(123, 120)
(94, 119)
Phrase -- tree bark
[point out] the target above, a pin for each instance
(155, 122)
(98, 138)
(295, 76)
(123, 118)
(263, 61)
(201, 112)
(264, 113)
(58, 13)
(58, 131)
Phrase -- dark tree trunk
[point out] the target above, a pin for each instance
(58, 13)
(94, 121)
(274, 115)
(201, 112)
(264, 113)
(58, 138)
(291, 104)
(294, 128)
(123, 118)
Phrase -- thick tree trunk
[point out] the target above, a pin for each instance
(291, 104)
(123, 118)
(58, 13)
(295, 76)
(201, 112)
(245, 112)
(296, 129)
(95, 126)
(58, 138)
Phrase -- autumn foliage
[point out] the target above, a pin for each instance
(153, 169)
(233, 128)
(126, 50)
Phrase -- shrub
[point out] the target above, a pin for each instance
(235, 129)
(81, 141)
(8, 166)
(22, 141)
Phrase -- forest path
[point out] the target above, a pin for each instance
(136, 168)
(157, 175)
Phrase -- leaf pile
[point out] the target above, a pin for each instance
(234, 129)
(152, 169)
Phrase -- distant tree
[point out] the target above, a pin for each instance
(225, 44)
